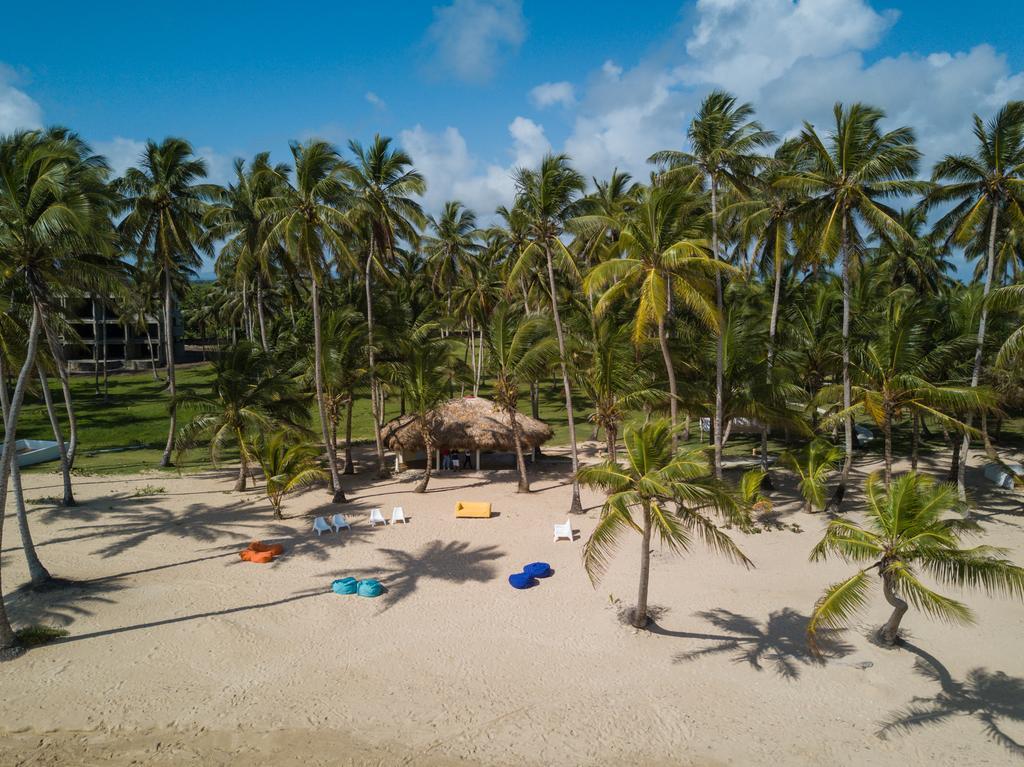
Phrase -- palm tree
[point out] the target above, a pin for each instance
(984, 186)
(518, 350)
(287, 466)
(906, 533)
(663, 259)
(307, 221)
(240, 219)
(852, 171)
(247, 396)
(548, 198)
(892, 376)
(165, 205)
(451, 241)
(385, 183)
(641, 494)
(813, 464)
(724, 142)
(1013, 346)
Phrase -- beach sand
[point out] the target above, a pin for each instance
(181, 654)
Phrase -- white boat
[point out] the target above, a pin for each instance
(32, 451)
(1003, 474)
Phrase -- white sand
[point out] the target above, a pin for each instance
(182, 654)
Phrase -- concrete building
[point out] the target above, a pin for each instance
(99, 333)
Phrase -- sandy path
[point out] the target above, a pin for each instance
(182, 654)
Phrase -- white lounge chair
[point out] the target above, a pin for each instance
(320, 526)
(563, 531)
(398, 515)
(338, 521)
(376, 516)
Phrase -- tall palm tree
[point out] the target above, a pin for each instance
(519, 349)
(548, 198)
(852, 171)
(984, 186)
(907, 533)
(247, 396)
(641, 497)
(663, 257)
(241, 221)
(385, 184)
(451, 240)
(308, 220)
(166, 204)
(724, 146)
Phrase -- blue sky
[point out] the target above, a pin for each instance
(474, 87)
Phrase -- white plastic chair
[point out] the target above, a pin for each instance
(398, 515)
(320, 526)
(376, 516)
(563, 531)
(338, 521)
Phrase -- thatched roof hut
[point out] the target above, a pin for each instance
(469, 423)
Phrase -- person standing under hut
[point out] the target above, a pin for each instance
(446, 459)
(467, 461)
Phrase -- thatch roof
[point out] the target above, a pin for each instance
(469, 423)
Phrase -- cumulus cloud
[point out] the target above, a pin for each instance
(469, 37)
(454, 173)
(546, 94)
(18, 110)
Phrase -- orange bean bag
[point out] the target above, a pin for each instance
(260, 552)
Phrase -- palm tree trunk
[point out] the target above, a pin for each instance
(979, 349)
(720, 339)
(57, 352)
(673, 398)
(640, 613)
(773, 324)
(535, 410)
(350, 467)
(51, 412)
(848, 420)
(915, 439)
(382, 469)
(989, 450)
(887, 436)
(612, 434)
(172, 385)
(524, 481)
(152, 353)
(260, 314)
(332, 459)
(243, 464)
(428, 445)
(575, 507)
(889, 633)
(7, 638)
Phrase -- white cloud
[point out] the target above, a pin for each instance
(376, 100)
(470, 36)
(18, 110)
(546, 94)
(453, 173)
(611, 70)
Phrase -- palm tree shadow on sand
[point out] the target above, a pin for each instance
(452, 561)
(779, 642)
(991, 697)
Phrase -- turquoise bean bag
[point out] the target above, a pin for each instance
(344, 586)
(369, 588)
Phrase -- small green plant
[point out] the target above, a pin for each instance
(147, 490)
(46, 500)
(37, 635)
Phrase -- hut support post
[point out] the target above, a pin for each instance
(477, 464)
(398, 462)
(437, 460)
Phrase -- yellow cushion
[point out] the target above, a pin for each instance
(473, 509)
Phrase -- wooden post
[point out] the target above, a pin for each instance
(477, 464)
(398, 462)
(437, 460)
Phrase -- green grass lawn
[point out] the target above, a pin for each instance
(134, 416)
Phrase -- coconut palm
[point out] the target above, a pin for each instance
(246, 396)
(308, 218)
(548, 197)
(165, 204)
(519, 349)
(641, 498)
(1013, 346)
(724, 155)
(813, 464)
(906, 534)
(853, 169)
(663, 257)
(985, 186)
(241, 221)
(450, 241)
(287, 466)
(385, 185)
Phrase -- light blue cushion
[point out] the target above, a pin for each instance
(344, 586)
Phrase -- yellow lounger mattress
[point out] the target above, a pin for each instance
(473, 509)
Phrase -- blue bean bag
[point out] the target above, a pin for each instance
(344, 586)
(538, 569)
(369, 588)
(522, 580)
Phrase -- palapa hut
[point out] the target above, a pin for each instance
(468, 423)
